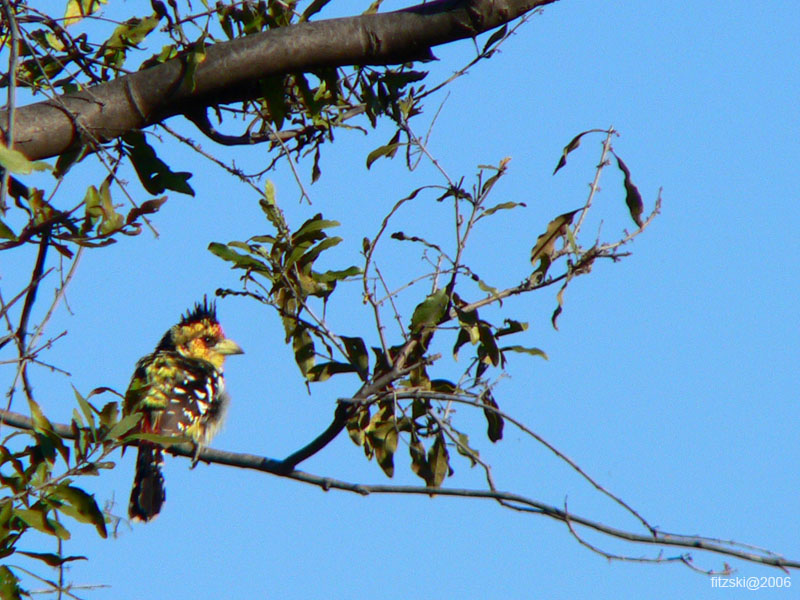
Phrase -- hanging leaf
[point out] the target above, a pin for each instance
(573, 145)
(495, 37)
(494, 420)
(382, 434)
(545, 244)
(304, 353)
(357, 353)
(632, 196)
(16, 162)
(82, 507)
(438, 462)
(388, 150)
(145, 208)
(560, 307)
(464, 449)
(154, 173)
(488, 343)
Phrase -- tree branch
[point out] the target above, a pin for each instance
(231, 69)
(511, 500)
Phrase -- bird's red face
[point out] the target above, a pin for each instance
(204, 339)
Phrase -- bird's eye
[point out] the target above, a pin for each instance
(208, 340)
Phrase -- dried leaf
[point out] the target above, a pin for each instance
(573, 145)
(545, 243)
(632, 196)
(494, 420)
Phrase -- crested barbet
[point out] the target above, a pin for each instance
(180, 391)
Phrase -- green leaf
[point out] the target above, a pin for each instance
(6, 233)
(40, 423)
(153, 172)
(240, 261)
(36, 518)
(382, 434)
(309, 231)
(16, 162)
(111, 220)
(495, 37)
(273, 92)
(124, 425)
(464, 449)
(357, 353)
(310, 256)
(78, 9)
(161, 440)
(501, 206)
(464, 336)
(329, 276)
(195, 57)
(388, 150)
(419, 461)
(109, 415)
(430, 311)
(488, 288)
(53, 560)
(86, 409)
(82, 507)
(494, 420)
(9, 585)
(524, 350)
(324, 371)
(632, 196)
(512, 327)
(271, 209)
(304, 353)
(439, 462)
(489, 343)
(69, 158)
(125, 36)
(313, 8)
(444, 386)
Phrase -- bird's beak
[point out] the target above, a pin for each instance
(228, 346)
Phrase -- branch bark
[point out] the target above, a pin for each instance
(508, 499)
(103, 112)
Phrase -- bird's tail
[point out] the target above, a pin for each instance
(147, 495)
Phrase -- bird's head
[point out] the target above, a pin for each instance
(199, 335)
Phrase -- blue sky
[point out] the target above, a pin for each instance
(672, 379)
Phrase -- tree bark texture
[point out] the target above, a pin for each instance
(103, 112)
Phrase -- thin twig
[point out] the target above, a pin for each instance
(516, 501)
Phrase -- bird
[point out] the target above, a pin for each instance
(180, 391)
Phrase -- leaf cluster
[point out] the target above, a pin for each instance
(39, 478)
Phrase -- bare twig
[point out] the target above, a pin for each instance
(513, 500)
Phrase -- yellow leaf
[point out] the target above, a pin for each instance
(16, 162)
(78, 9)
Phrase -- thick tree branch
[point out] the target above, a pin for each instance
(511, 500)
(103, 112)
